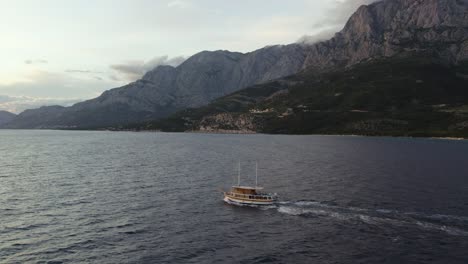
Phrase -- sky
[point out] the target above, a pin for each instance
(61, 52)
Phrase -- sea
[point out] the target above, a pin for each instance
(149, 197)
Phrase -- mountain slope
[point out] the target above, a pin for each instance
(389, 27)
(411, 94)
(383, 29)
(164, 90)
(6, 117)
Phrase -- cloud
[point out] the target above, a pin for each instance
(320, 36)
(40, 61)
(179, 4)
(96, 75)
(133, 70)
(114, 78)
(334, 20)
(17, 104)
(342, 11)
(39, 88)
(81, 71)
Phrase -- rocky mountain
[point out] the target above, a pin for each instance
(389, 27)
(412, 94)
(6, 117)
(165, 90)
(383, 29)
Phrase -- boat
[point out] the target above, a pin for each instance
(249, 195)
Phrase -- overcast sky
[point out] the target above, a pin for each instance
(60, 52)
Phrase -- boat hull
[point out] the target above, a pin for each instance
(237, 201)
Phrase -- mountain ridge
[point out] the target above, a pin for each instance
(412, 94)
(6, 117)
(381, 29)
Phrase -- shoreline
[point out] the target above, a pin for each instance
(236, 132)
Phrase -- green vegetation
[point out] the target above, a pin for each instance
(410, 95)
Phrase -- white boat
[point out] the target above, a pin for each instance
(248, 195)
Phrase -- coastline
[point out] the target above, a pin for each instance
(245, 132)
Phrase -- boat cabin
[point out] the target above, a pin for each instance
(247, 193)
(245, 190)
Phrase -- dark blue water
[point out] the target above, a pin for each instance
(103, 197)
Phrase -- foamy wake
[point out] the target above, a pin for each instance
(377, 216)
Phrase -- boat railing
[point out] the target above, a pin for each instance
(253, 196)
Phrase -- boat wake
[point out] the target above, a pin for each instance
(449, 224)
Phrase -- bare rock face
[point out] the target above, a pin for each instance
(390, 27)
(210, 75)
(382, 29)
(228, 123)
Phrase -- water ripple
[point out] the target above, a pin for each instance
(102, 197)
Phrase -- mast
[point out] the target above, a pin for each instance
(238, 175)
(256, 174)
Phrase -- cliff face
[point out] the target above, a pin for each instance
(209, 75)
(229, 123)
(383, 29)
(206, 76)
(390, 27)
